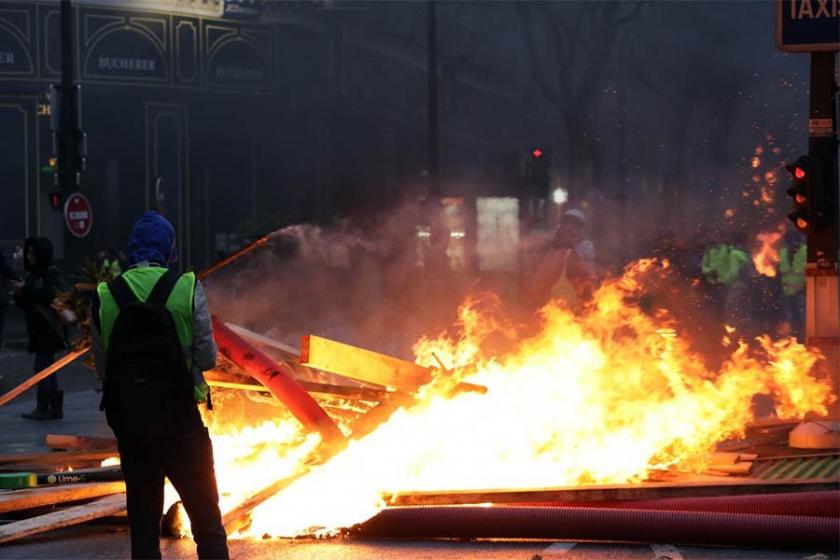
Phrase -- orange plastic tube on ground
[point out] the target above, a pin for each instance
(279, 379)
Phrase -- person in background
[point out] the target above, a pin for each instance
(152, 339)
(728, 269)
(793, 258)
(109, 263)
(566, 272)
(7, 274)
(35, 295)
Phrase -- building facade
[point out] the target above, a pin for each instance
(224, 114)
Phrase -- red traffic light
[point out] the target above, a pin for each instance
(55, 200)
(537, 153)
(799, 173)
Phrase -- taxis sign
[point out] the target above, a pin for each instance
(808, 25)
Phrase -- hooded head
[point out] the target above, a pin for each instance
(152, 240)
(37, 254)
(570, 230)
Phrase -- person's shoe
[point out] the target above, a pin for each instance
(41, 411)
(56, 411)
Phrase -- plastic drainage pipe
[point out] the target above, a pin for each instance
(605, 524)
(277, 378)
(810, 504)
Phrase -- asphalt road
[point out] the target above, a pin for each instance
(111, 541)
(108, 539)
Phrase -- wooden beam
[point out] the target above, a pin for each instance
(238, 517)
(645, 491)
(55, 458)
(219, 378)
(238, 386)
(91, 443)
(287, 351)
(43, 374)
(19, 500)
(362, 365)
(103, 507)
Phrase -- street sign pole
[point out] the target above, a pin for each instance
(814, 27)
(822, 288)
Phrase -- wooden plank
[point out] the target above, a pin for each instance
(237, 386)
(19, 500)
(362, 365)
(287, 351)
(218, 378)
(55, 458)
(43, 374)
(103, 507)
(90, 443)
(646, 491)
(237, 518)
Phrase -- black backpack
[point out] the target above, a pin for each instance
(148, 388)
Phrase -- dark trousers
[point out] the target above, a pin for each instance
(187, 461)
(42, 361)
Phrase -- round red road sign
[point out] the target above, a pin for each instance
(78, 215)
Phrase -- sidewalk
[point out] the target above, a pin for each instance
(81, 405)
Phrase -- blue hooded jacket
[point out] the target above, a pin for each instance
(152, 240)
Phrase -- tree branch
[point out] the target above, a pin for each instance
(536, 68)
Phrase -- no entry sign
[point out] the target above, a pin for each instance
(78, 215)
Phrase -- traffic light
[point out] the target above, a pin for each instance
(538, 170)
(75, 136)
(806, 191)
(55, 200)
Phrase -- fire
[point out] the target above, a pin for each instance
(609, 395)
(766, 255)
(110, 462)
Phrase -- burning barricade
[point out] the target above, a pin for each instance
(600, 424)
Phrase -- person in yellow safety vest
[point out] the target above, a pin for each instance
(728, 269)
(110, 265)
(792, 270)
(152, 339)
(722, 264)
(565, 273)
(792, 277)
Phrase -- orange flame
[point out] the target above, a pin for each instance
(766, 255)
(610, 395)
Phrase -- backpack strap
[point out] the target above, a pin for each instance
(163, 287)
(121, 293)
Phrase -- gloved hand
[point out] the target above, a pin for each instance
(200, 392)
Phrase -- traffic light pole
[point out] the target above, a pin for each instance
(822, 289)
(68, 142)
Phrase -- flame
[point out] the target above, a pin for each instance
(110, 462)
(766, 255)
(609, 395)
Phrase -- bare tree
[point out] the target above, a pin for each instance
(582, 37)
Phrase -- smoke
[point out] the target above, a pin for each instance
(377, 285)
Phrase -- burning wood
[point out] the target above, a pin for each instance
(554, 408)
(612, 492)
(365, 365)
(278, 379)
